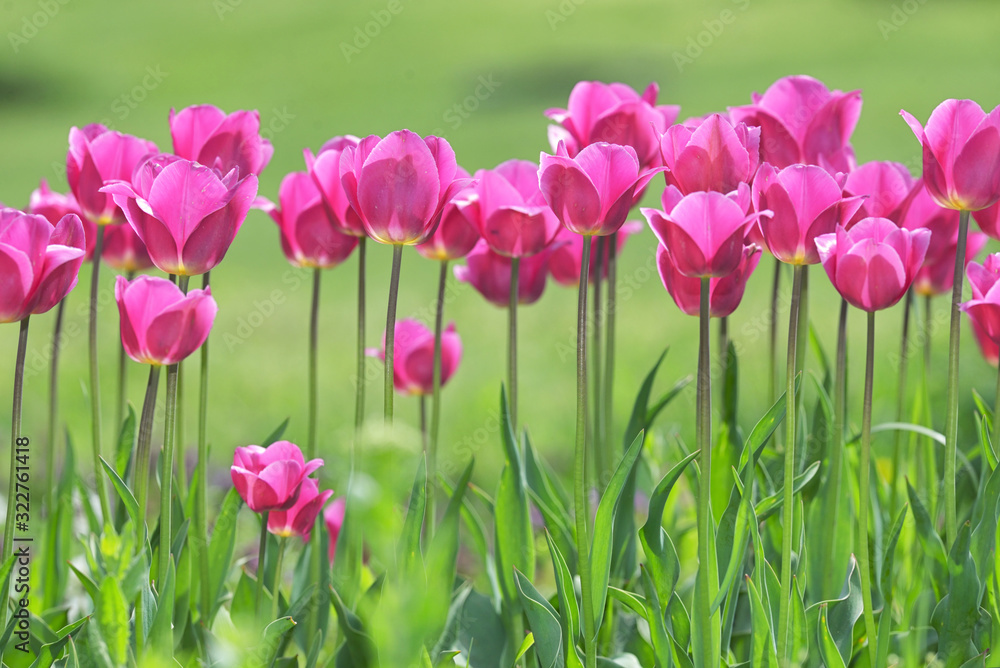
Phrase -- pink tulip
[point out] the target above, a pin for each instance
(614, 114)
(333, 516)
(399, 185)
(567, 253)
(887, 188)
(938, 277)
(704, 231)
(160, 325)
(989, 349)
(725, 292)
(713, 154)
(205, 134)
(324, 169)
(39, 262)
(961, 145)
(806, 202)
(984, 307)
(489, 274)
(123, 249)
(873, 264)
(184, 212)
(413, 362)
(591, 194)
(270, 478)
(983, 277)
(308, 237)
(508, 209)
(802, 121)
(989, 220)
(98, 155)
(456, 235)
(53, 206)
(300, 518)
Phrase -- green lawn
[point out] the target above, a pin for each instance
(129, 63)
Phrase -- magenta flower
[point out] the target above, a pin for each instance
(270, 478)
(984, 307)
(184, 212)
(989, 349)
(704, 231)
(567, 254)
(456, 235)
(873, 264)
(887, 188)
(983, 277)
(725, 292)
(938, 277)
(961, 145)
(98, 155)
(53, 206)
(989, 220)
(123, 249)
(39, 262)
(333, 516)
(324, 169)
(413, 362)
(399, 185)
(160, 325)
(207, 135)
(613, 114)
(508, 209)
(308, 237)
(805, 202)
(300, 518)
(489, 274)
(802, 121)
(712, 154)
(591, 194)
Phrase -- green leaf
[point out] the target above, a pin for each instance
(358, 644)
(276, 435)
(569, 607)
(443, 550)
(929, 539)
(662, 646)
(543, 622)
(986, 443)
(771, 504)
(956, 615)
(551, 501)
(799, 626)
(126, 442)
(515, 545)
(885, 587)
(633, 602)
(112, 619)
(221, 547)
(161, 634)
(763, 649)
(410, 553)
(526, 644)
(935, 436)
(267, 650)
(131, 505)
(828, 650)
(985, 515)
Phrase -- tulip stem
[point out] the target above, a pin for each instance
(50, 486)
(140, 471)
(359, 397)
(95, 383)
(864, 493)
(580, 463)
(436, 400)
(313, 348)
(600, 465)
(996, 413)
(951, 425)
(835, 449)
(423, 427)
(789, 475)
(15, 445)
(773, 344)
(607, 425)
(276, 588)
(201, 493)
(122, 374)
(390, 330)
(515, 275)
(724, 366)
(261, 553)
(929, 460)
(704, 587)
(904, 354)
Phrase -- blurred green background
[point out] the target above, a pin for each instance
(313, 73)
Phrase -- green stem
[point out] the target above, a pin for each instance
(773, 343)
(996, 414)
(865, 493)
(315, 554)
(261, 554)
(95, 382)
(179, 433)
(598, 445)
(704, 589)
(724, 366)
(140, 477)
(789, 475)
(515, 276)
(50, 486)
(436, 401)
(423, 424)
(390, 330)
(928, 462)
(951, 425)
(201, 493)
(609, 337)
(582, 511)
(835, 447)
(897, 449)
(276, 588)
(122, 374)
(359, 398)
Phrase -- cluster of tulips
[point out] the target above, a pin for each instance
(778, 176)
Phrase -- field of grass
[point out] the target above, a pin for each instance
(304, 66)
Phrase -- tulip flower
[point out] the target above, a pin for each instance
(300, 518)
(53, 206)
(725, 293)
(333, 516)
(489, 274)
(989, 349)
(713, 154)
(806, 202)
(887, 188)
(802, 121)
(185, 214)
(270, 478)
(567, 254)
(123, 250)
(989, 220)
(205, 134)
(455, 236)
(984, 313)
(415, 356)
(324, 168)
(615, 114)
(936, 276)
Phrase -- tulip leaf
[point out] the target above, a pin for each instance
(957, 613)
(358, 646)
(131, 505)
(929, 539)
(221, 547)
(112, 618)
(771, 504)
(551, 501)
(161, 635)
(763, 649)
(662, 646)
(569, 607)
(885, 587)
(409, 542)
(829, 652)
(126, 442)
(512, 517)
(276, 435)
(543, 622)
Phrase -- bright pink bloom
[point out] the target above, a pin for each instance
(988, 220)
(982, 277)
(725, 292)
(805, 202)
(961, 145)
(308, 237)
(413, 360)
(53, 205)
(324, 169)
(614, 114)
(567, 253)
(873, 264)
(938, 277)
(123, 249)
(160, 325)
(39, 262)
(592, 193)
(984, 307)
(300, 518)
(887, 187)
(98, 155)
(270, 478)
(333, 516)
(989, 349)
(489, 274)
(713, 154)
(184, 212)
(802, 121)
(704, 231)
(399, 185)
(207, 135)
(456, 235)
(508, 209)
